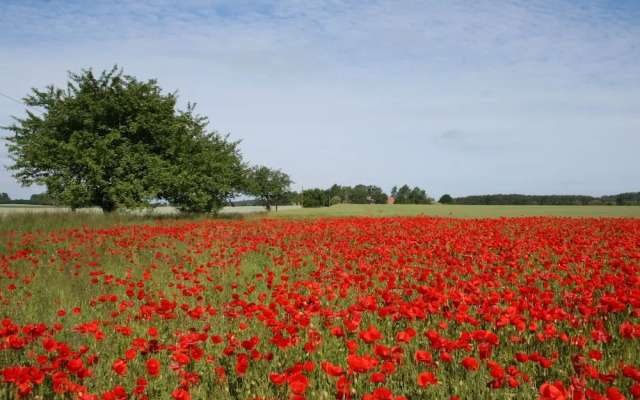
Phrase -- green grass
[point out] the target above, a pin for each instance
(459, 211)
(24, 220)
(32, 221)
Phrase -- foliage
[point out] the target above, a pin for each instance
(406, 195)
(35, 199)
(446, 199)
(359, 194)
(312, 198)
(556, 200)
(290, 197)
(376, 195)
(335, 200)
(339, 191)
(270, 186)
(112, 141)
(205, 170)
(623, 199)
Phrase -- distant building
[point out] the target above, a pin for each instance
(390, 200)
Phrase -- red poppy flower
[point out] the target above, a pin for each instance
(595, 355)
(377, 377)
(153, 367)
(242, 363)
(120, 367)
(427, 378)
(330, 369)
(555, 391)
(181, 394)
(422, 356)
(470, 363)
(361, 364)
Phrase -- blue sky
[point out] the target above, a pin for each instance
(459, 97)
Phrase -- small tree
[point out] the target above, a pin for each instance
(314, 198)
(268, 185)
(446, 199)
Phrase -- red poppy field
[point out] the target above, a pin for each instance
(353, 308)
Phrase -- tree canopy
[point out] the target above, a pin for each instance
(406, 195)
(270, 186)
(112, 141)
(313, 198)
(446, 199)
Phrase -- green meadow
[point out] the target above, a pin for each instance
(459, 211)
(25, 219)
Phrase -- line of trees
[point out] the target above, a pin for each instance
(362, 194)
(112, 141)
(631, 198)
(406, 195)
(35, 199)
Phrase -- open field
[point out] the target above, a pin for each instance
(382, 210)
(26, 219)
(461, 211)
(337, 308)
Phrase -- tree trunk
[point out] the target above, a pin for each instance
(108, 208)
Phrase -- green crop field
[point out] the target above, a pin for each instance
(26, 219)
(460, 211)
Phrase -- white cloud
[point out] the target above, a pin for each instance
(357, 92)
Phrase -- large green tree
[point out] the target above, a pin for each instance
(204, 171)
(268, 185)
(112, 141)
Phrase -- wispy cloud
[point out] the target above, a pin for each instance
(339, 91)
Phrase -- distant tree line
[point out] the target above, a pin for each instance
(406, 195)
(41, 199)
(361, 194)
(337, 194)
(371, 194)
(550, 200)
